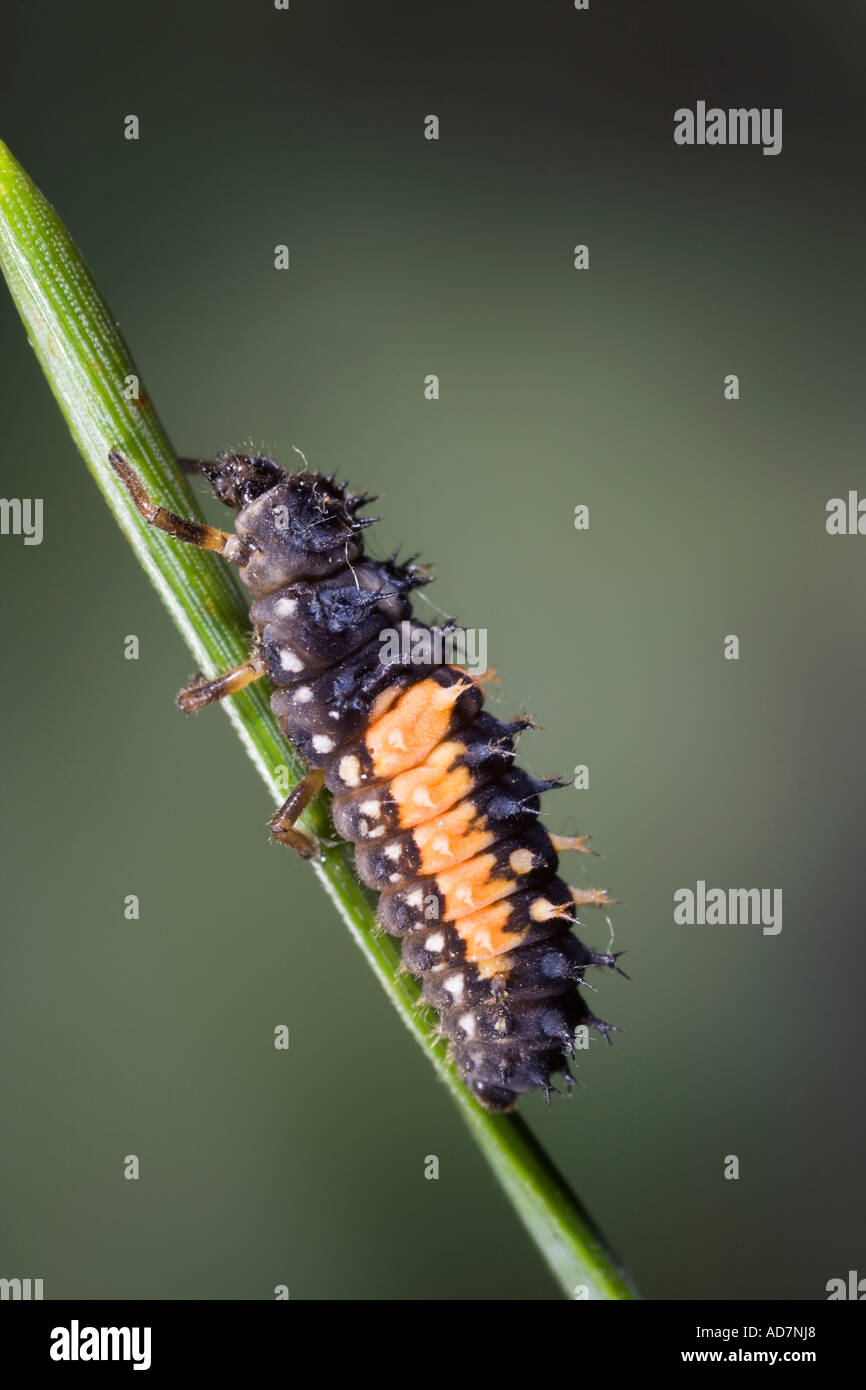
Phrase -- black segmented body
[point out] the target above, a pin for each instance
(424, 783)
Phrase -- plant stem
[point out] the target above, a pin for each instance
(99, 391)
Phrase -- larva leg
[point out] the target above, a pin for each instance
(181, 528)
(201, 692)
(206, 465)
(564, 842)
(195, 465)
(282, 827)
(591, 897)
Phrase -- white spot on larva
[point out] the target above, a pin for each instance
(441, 844)
(437, 969)
(374, 834)
(464, 895)
(350, 770)
(422, 797)
(392, 852)
(285, 607)
(396, 740)
(289, 661)
(467, 1023)
(435, 943)
(370, 808)
(521, 860)
(541, 910)
(303, 695)
(500, 1025)
(416, 898)
(333, 714)
(323, 743)
(394, 878)
(454, 986)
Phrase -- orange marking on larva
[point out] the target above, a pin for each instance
(496, 965)
(469, 886)
(426, 791)
(484, 933)
(419, 720)
(449, 839)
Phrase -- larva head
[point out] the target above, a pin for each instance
(238, 479)
(302, 527)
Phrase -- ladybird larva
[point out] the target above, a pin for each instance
(445, 827)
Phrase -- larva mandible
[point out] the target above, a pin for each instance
(423, 779)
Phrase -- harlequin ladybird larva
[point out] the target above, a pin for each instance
(423, 779)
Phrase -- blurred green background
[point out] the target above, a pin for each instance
(558, 387)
